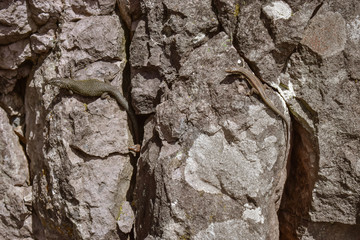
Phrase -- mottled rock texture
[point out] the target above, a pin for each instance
(81, 170)
(213, 163)
(77, 147)
(15, 210)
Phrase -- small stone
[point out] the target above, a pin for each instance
(126, 217)
(278, 10)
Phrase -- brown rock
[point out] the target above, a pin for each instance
(326, 34)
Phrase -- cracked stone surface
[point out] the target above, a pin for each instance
(213, 163)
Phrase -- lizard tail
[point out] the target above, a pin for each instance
(122, 101)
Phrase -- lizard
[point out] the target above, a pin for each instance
(97, 88)
(258, 88)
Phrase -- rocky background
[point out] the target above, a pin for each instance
(214, 162)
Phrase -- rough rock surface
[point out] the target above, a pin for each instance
(321, 199)
(218, 157)
(81, 171)
(15, 23)
(213, 163)
(212, 144)
(15, 210)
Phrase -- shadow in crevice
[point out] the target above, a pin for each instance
(302, 174)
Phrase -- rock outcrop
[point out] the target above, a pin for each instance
(213, 163)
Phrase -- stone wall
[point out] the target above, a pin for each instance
(215, 161)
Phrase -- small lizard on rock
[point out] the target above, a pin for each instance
(259, 89)
(96, 88)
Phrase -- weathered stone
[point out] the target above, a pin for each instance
(79, 145)
(12, 67)
(89, 131)
(208, 159)
(326, 34)
(266, 34)
(41, 11)
(319, 200)
(92, 39)
(124, 10)
(9, 78)
(179, 34)
(227, 230)
(42, 43)
(212, 162)
(352, 47)
(228, 12)
(190, 133)
(254, 40)
(15, 216)
(12, 55)
(88, 118)
(74, 9)
(145, 92)
(286, 26)
(15, 21)
(14, 162)
(277, 10)
(126, 218)
(12, 103)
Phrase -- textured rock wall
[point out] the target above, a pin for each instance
(214, 162)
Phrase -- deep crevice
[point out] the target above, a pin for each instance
(302, 174)
(317, 8)
(126, 87)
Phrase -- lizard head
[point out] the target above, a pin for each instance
(59, 82)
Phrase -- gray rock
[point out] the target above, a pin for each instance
(42, 11)
(15, 20)
(78, 145)
(12, 55)
(213, 162)
(80, 9)
(79, 45)
(13, 104)
(16, 218)
(14, 162)
(209, 164)
(265, 34)
(42, 43)
(126, 218)
(319, 200)
(179, 34)
(209, 140)
(12, 64)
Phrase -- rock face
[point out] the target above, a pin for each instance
(15, 192)
(214, 161)
(81, 170)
